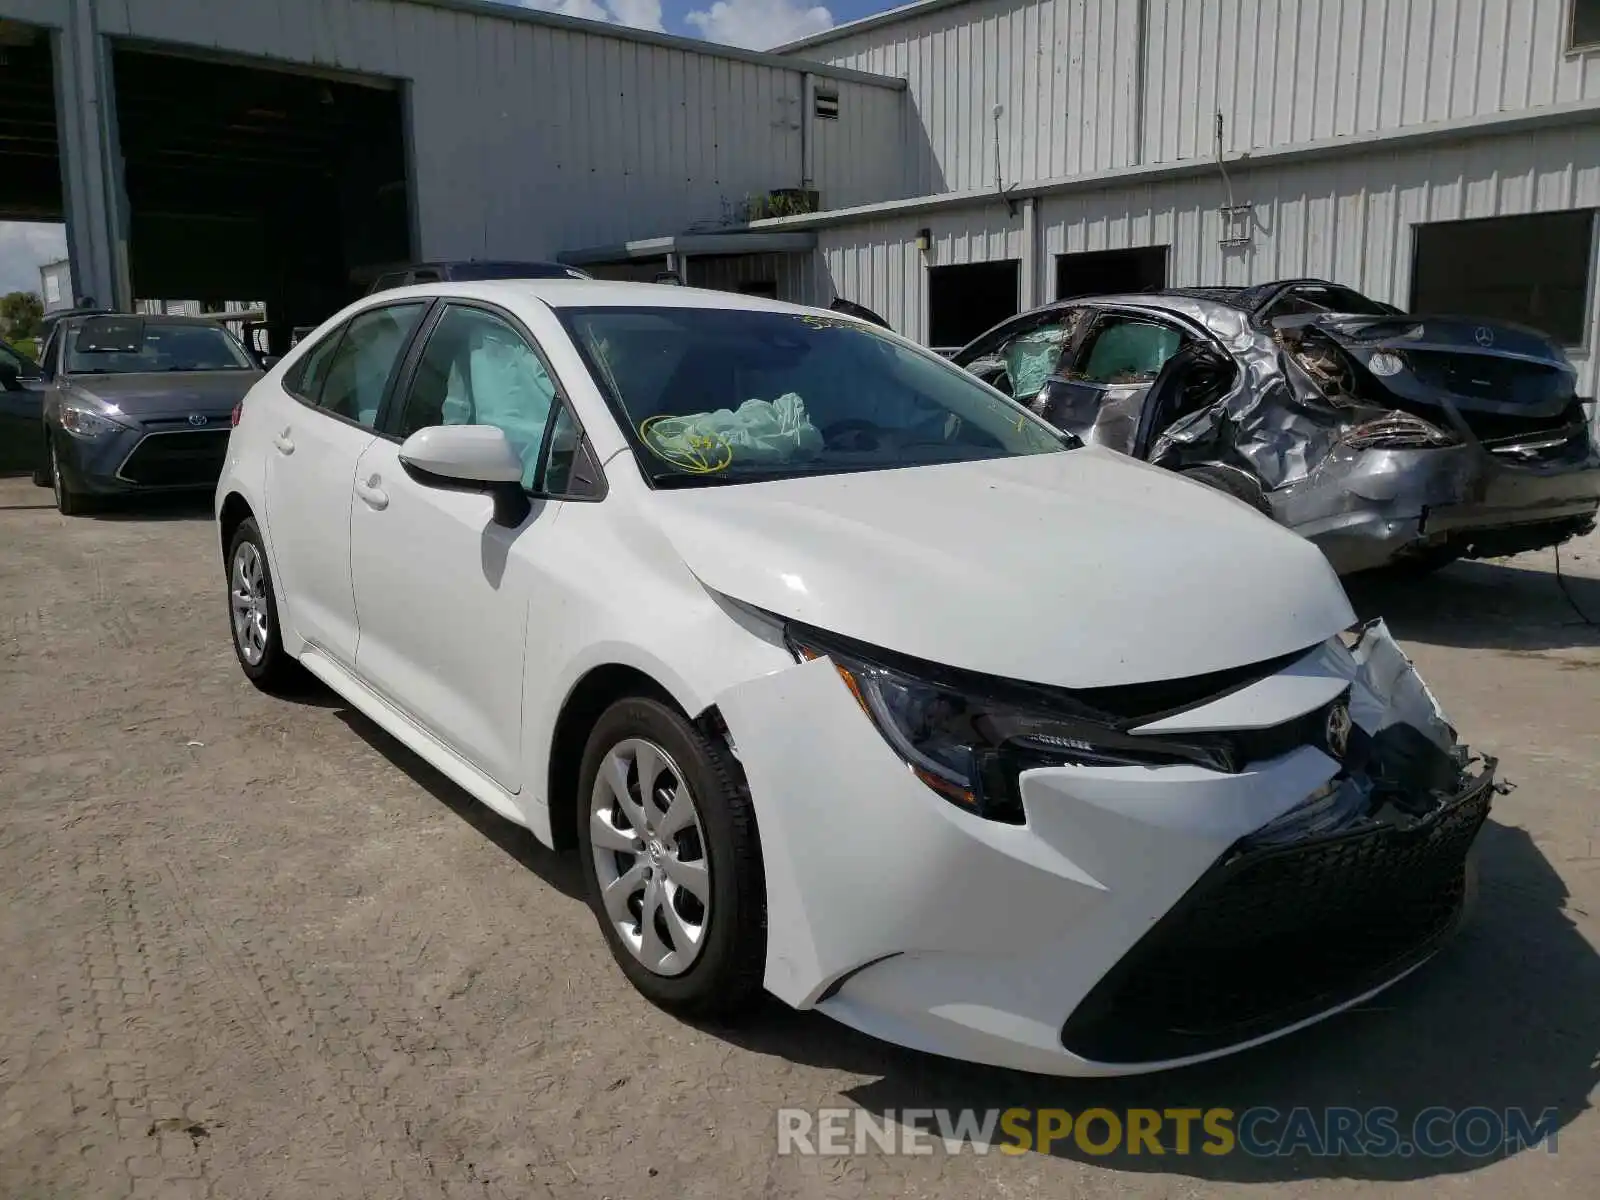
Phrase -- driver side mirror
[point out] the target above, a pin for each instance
(470, 458)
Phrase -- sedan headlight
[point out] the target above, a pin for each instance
(968, 740)
(81, 420)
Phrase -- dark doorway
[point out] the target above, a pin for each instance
(1104, 272)
(250, 183)
(1533, 270)
(30, 155)
(966, 300)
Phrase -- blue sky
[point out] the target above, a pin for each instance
(757, 24)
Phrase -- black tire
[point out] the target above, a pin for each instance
(724, 983)
(68, 502)
(1233, 483)
(275, 672)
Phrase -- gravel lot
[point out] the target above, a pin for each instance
(255, 948)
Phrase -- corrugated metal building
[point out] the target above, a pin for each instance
(434, 129)
(968, 157)
(1080, 140)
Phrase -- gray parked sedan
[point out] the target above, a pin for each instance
(138, 404)
(1387, 438)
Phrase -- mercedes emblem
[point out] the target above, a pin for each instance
(1483, 335)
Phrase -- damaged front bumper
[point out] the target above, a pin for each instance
(1143, 917)
(1369, 508)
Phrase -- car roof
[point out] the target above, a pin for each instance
(600, 293)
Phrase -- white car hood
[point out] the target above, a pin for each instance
(1079, 569)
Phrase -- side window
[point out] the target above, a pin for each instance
(479, 370)
(358, 371)
(306, 377)
(561, 454)
(1127, 350)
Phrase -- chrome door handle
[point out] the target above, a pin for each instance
(373, 495)
(283, 442)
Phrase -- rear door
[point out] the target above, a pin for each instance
(1100, 392)
(323, 421)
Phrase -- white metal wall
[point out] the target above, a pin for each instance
(880, 266)
(1065, 72)
(868, 154)
(1069, 72)
(527, 138)
(1286, 71)
(1348, 219)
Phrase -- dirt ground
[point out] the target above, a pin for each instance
(255, 948)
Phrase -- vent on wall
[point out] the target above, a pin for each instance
(828, 105)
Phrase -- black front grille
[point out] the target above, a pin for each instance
(180, 459)
(1271, 936)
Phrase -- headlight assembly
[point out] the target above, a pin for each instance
(81, 421)
(969, 742)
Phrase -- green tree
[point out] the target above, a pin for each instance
(21, 316)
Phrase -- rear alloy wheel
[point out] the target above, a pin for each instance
(68, 502)
(253, 614)
(671, 856)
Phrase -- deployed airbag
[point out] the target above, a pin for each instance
(760, 431)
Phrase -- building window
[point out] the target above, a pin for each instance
(1103, 272)
(966, 300)
(1584, 33)
(1533, 270)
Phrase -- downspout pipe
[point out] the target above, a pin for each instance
(808, 142)
(1141, 77)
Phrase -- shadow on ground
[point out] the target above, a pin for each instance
(1504, 605)
(560, 871)
(154, 508)
(1507, 1017)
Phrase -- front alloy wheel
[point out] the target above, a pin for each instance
(673, 860)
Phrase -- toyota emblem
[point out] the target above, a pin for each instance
(197, 418)
(1337, 733)
(1483, 335)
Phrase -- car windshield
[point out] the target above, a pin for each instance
(713, 396)
(126, 345)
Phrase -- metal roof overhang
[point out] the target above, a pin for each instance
(694, 245)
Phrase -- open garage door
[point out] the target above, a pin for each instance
(30, 156)
(253, 183)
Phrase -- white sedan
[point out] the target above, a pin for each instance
(848, 679)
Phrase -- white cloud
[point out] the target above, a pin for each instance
(759, 24)
(24, 247)
(640, 14)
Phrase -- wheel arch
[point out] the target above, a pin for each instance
(235, 511)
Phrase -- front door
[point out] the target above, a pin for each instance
(323, 421)
(1100, 395)
(445, 594)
